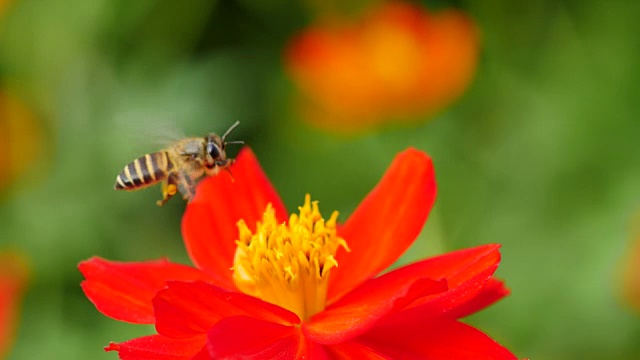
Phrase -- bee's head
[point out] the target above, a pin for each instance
(215, 145)
(215, 155)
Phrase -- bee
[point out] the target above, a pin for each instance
(178, 166)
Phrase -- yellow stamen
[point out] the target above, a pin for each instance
(288, 264)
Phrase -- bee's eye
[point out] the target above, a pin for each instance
(213, 150)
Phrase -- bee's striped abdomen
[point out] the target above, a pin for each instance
(144, 171)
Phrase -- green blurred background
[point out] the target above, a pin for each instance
(542, 154)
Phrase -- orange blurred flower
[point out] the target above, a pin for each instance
(3, 5)
(13, 278)
(397, 62)
(631, 270)
(20, 138)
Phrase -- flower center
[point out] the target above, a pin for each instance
(288, 264)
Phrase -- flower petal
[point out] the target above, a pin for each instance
(203, 354)
(124, 291)
(14, 275)
(209, 223)
(493, 291)
(354, 350)
(244, 337)
(446, 340)
(467, 273)
(386, 222)
(157, 347)
(359, 310)
(185, 309)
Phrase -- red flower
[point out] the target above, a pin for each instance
(396, 62)
(278, 287)
(14, 273)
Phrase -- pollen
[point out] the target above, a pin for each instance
(288, 264)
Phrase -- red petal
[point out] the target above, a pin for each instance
(243, 337)
(446, 340)
(467, 273)
(157, 347)
(124, 291)
(188, 309)
(14, 274)
(354, 350)
(493, 291)
(209, 223)
(359, 310)
(386, 222)
(203, 354)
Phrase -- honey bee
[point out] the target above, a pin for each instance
(178, 166)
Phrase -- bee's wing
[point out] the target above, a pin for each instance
(165, 134)
(156, 133)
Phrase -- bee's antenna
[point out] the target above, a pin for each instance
(240, 142)
(229, 130)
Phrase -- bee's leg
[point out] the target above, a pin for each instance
(169, 188)
(228, 169)
(186, 186)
